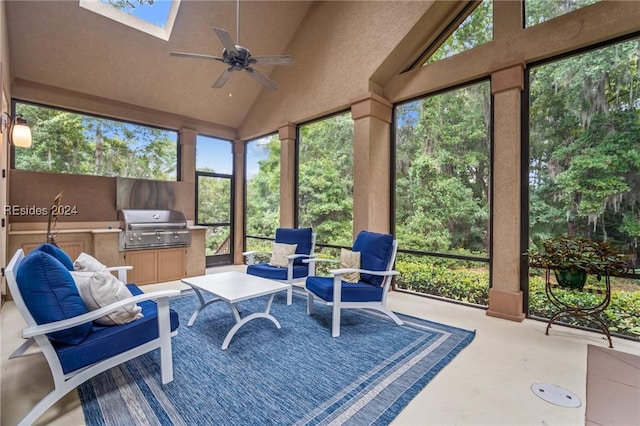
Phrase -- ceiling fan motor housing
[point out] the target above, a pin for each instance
(238, 61)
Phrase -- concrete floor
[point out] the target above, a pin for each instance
(488, 383)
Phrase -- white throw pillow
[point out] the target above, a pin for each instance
(351, 260)
(88, 263)
(279, 254)
(99, 289)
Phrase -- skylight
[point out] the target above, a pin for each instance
(155, 17)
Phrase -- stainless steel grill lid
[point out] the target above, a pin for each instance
(152, 228)
(145, 219)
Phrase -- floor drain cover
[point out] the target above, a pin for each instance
(556, 395)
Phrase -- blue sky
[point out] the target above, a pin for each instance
(216, 154)
(156, 14)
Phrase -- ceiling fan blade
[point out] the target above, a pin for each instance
(272, 60)
(263, 79)
(222, 79)
(197, 56)
(225, 38)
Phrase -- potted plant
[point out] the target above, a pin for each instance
(573, 258)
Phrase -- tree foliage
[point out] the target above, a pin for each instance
(66, 142)
(263, 190)
(325, 179)
(325, 183)
(585, 147)
(443, 171)
(475, 30)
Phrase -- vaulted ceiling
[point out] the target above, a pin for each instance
(64, 55)
(64, 47)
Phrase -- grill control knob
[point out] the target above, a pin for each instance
(139, 238)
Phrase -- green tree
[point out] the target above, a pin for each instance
(214, 207)
(585, 146)
(263, 192)
(442, 171)
(475, 30)
(325, 185)
(66, 142)
(58, 142)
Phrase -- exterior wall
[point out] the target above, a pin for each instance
(93, 196)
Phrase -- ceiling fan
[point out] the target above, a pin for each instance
(239, 58)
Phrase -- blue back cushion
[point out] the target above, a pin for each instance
(375, 253)
(300, 236)
(51, 295)
(58, 253)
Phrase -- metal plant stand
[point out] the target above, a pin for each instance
(590, 313)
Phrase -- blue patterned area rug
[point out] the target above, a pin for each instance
(296, 375)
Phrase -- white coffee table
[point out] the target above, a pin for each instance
(234, 287)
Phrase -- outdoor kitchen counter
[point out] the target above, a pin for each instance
(102, 243)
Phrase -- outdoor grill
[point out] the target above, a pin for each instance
(152, 228)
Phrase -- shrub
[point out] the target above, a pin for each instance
(472, 286)
(458, 284)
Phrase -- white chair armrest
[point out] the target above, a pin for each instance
(297, 256)
(315, 259)
(250, 255)
(362, 271)
(93, 315)
(312, 263)
(122, 271)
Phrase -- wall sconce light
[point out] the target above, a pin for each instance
(19, 132)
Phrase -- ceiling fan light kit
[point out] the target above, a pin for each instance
(239, 58)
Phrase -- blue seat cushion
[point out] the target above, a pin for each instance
(50, 293)
(351, 292)
(58, 253)
(107, 341)
(375, 253)
(300, 236)
(274, 273)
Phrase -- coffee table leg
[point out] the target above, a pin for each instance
(242, 321)
(203, 305)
